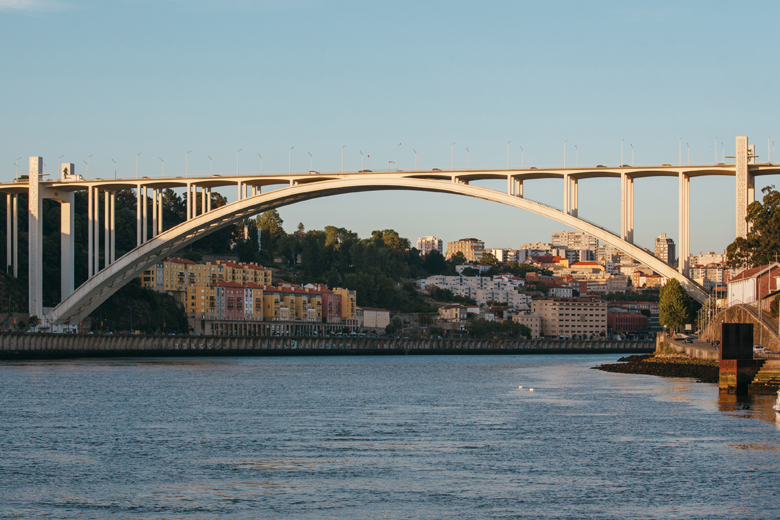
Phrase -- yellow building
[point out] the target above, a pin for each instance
(177, 274)
(471, 248)
(348, 303)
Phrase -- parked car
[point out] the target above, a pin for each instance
(759, 349)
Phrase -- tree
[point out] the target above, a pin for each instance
(488, 258)
(434, 263)
(676, 308)
(763, 240)
(34, 321)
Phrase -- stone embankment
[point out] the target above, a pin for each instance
(666, 365)
(63, 346)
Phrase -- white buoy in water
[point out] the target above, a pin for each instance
(521, 386)
(530, 389)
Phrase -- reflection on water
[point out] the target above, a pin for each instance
(378, 437)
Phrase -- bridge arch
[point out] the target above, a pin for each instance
(97, 289)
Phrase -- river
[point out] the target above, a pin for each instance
(377, 437)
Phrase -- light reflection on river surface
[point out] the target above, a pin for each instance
(378, 437)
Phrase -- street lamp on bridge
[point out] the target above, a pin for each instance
(361, 159)
(577, 156)
(507, 154)
(452, 148)
(689, 153)
(415, 159)
(17, 166)
(342, 158)
(311, 162)
(261, 163)
(136, 164)
(90, 155)
(59, 166)
(522, 158)
(632, 155)
(564, 153)
(289, 160)
(396, 156)
(468, 160)
(621, 152)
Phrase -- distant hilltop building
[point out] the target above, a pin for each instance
(471, 248)
(665, 250)
(427, 244)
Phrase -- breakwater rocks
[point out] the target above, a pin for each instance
(665, 365)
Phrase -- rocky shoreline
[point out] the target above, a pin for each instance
(665, 365)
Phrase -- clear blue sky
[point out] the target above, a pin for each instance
(163, 77)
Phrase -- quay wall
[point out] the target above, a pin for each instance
(21, 346)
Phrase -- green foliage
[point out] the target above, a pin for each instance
(470, 271)
(488, 258)
(434, 263)
(195, 256)
(676, 308)
(480, 328)
(763, 240)
(518, 269)
(34, 321)
(445, 295)
(135, 308)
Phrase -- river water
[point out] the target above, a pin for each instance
(377, 437)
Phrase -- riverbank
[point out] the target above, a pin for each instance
(665, 365)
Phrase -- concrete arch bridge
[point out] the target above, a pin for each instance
(160, 242)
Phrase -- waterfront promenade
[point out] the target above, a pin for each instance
(16, 346)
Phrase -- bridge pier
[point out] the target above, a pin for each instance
(35, 237)
(566, 194)
(12, 233)
(575, 197)
(208, 201)
(112, 225)
(684, 222)
(203, 199)
(746, 193)
(138, 235)
(627, 208)
(67, 245)
(154, 212)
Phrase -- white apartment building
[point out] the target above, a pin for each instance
(574, 240)
(427, 244)
(471, 248)
(481, 289)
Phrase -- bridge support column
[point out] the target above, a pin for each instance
(189, 201)
(683, 253)
(519, 189)
(630, 209)
(566, 194)
(8, 246)
(96, 221)
(107, 229)
(208, 200)
(160, 205)
(510, 185)
(16, 235)
(745, 183)
(138, 215)
(154, 212)
(67, 245)
(203, 200)
(143, 214)
(575, 198)
(113, 227)
(35, 238)
(623, 208)
(240, 185)
(90, 232)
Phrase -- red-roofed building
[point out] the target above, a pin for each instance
(627, 321)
